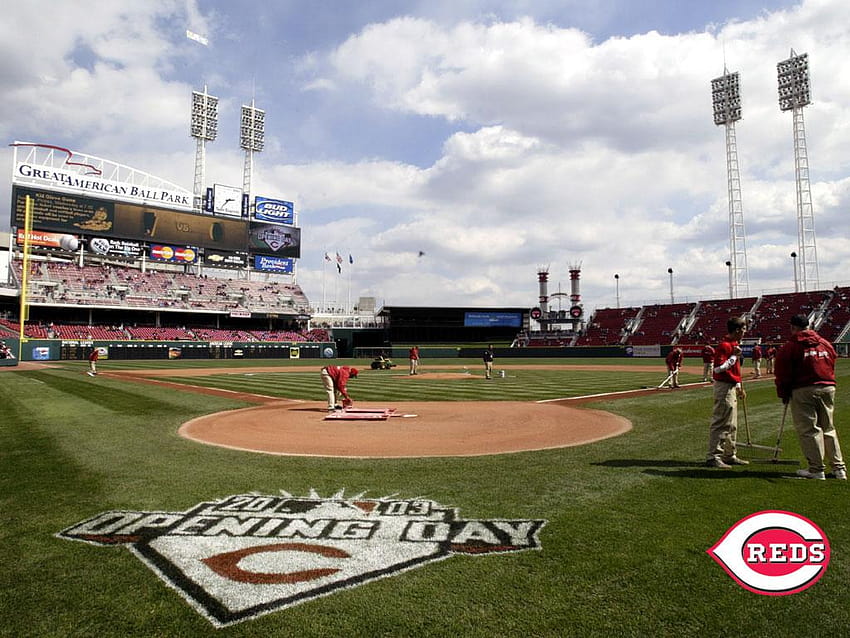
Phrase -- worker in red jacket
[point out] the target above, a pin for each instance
(94, 355)
(413, 356)
(805, 380)
(707, 361)
(770, 357)
(723, 431)
(335, 379)
(674, 362)
(757, 354)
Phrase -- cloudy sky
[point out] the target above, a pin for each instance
(495, 137)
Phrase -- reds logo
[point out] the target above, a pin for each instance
(773, 553)
(249, 554)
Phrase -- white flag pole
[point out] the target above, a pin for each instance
(324, 266)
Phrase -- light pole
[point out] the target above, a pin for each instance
(252, 137)
(726, 98)
(204, 128)
(729, 266)
(670, 272)
(617, 288)
(794, 262)
(794, 94)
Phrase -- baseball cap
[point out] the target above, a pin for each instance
(801, 321)
(353, 372)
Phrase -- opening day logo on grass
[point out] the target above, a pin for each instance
(773, 553)
(249, 554)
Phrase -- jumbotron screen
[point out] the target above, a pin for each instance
(69, 213)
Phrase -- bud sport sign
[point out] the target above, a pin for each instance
(249, 554)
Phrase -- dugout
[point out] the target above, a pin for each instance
(431, 324)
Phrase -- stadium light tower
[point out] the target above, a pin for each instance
(726, 97)
(204, 128)
(252, 138)
(794, 94)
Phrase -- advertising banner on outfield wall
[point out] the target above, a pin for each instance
(173, 254)
(276, 211)
(274, 264)
(83, 215)
(274, 239)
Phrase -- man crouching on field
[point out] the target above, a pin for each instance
(335, 378)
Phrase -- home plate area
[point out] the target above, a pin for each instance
(364, 414)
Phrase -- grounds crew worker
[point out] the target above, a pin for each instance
(727, 388)
(805, 379)
(674, 362)
(413, 356)
(94, 355)
(488, 362)
(335, 378)
(707, 361)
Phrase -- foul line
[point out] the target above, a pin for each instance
(619, 394)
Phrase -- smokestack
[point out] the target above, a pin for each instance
(575, 287)
(543, 281)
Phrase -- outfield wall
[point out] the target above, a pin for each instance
(448, 352)
(68, 350)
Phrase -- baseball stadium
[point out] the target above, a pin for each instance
(172, 464)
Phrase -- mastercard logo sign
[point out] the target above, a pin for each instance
(172, 253)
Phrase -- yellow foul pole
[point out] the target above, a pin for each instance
(25, 274)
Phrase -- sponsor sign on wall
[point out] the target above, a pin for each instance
(74, 214)
(274, 210)
(116, 247)
(173, 254)
(274, 239)
(274, 264)
(221, 259)
(251, 554)
(46, 239)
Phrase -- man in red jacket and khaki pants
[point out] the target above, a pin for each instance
(722, 433)
(335, 378)
(805, 380)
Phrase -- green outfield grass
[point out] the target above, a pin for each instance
(623, 552)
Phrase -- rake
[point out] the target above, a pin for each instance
(749, 443)
(774, 460)
(666, 381)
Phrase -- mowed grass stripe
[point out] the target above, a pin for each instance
(517, 385)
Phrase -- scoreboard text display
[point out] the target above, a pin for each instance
(62, 212)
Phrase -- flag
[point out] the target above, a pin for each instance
(338, 258)
(327, 257)
(197, 37)
(350, 259)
